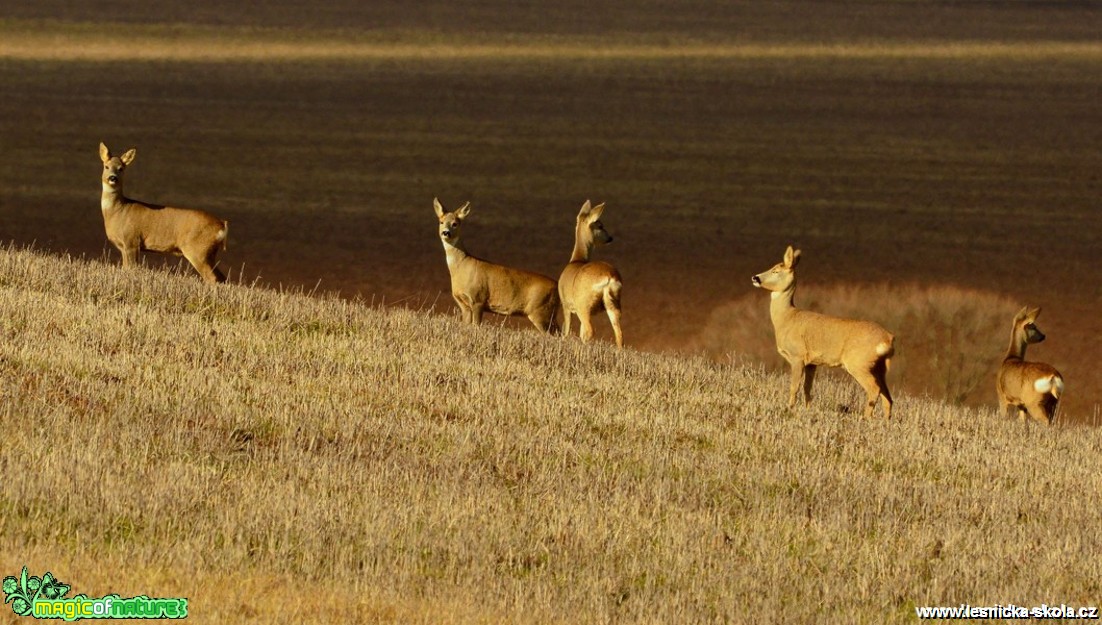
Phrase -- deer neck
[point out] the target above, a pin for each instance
(582, 247)
(781, 304)
(1016, 351)
(455, 254)
(111, 198)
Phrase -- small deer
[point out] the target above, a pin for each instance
(1031, 387)
(478, 285)
(134, 226)
(587, 287)
(808, 339)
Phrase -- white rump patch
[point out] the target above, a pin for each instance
(883, 348)
(1052, 384)
(607, 282)
(221, 236)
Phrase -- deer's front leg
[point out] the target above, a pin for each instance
(797, 382)
(129, 254)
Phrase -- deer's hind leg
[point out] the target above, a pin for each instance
(544, 320)
(586, 322)
(1040, 412)
(880, 375)
(872, 390)
(566, 320)
(809, 379)
(206, 263)
(612, 308)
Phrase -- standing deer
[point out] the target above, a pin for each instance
(1031, 387)
(587, 287)
(808, 339)
(478, 285)
(134, 226)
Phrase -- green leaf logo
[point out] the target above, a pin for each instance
(22, 592)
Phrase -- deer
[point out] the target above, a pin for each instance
(588, 287)
(479, 285)
(1034, 388)
(808, 339)
(134, 226)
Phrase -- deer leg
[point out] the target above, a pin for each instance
(202, 264)
(809, 378)
(476, 312)
(1004, 403)
(612, 308)
(129, 255)
(880, 375)
(584, 318)
(212, 262)
(464, 308)
(565, 321)
(798, 371)
(543, 320)
(1039, 414)
(872, 390)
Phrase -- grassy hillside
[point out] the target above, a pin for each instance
(273, 456)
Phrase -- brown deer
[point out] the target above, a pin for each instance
(479, 285)
(588, 287)
(808, 339)
(1031, 387)
(134, 226)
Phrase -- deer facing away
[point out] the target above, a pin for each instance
(809, 339)
(479, 285)
(588, 287)
(1031, 387)
(134, 226)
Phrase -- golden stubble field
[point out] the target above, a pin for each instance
(311, 459)
(274, 457)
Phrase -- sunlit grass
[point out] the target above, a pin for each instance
(271, 456)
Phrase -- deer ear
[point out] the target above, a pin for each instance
(791, 257)
(1033, 314)
(595, 212)
(585, 209)
(104, 154)
(1022, 314)
(437, 207)
(128, 156)
(464, 210)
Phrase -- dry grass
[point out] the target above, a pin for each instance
(949, 340)
(278, 457)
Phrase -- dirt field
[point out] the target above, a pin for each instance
(919, 142)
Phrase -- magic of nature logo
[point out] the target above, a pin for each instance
(44, 598)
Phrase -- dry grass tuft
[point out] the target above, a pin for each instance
(277, 457)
